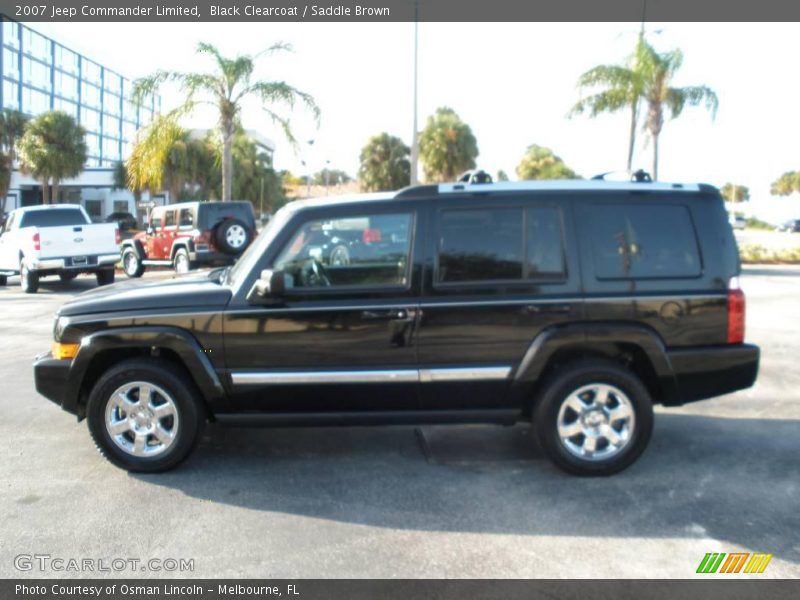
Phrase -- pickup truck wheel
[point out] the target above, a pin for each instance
(232, 236)
(28, 280)
(181, 262)
(131, 264)
(3, 280)
(67, 276)
(593, 418)
(143, 416)
(105, 276)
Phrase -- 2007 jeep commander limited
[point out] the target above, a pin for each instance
(577, 305)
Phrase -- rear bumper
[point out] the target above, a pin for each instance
(50, 376)
(707, 372)
(211, 258)
(67, 263)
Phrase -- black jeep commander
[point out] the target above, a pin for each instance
(577, 305)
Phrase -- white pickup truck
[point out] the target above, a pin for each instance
(37, 241)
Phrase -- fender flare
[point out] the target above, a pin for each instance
(186, 244)
(188, 349)
(136, 245)
(553, 339)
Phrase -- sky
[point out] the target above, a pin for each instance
(513, 83)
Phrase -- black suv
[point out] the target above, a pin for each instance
(576, 305)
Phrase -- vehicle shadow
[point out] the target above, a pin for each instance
(51, 286)
(733, 480)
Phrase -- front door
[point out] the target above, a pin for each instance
(498, 278)
(342, 338)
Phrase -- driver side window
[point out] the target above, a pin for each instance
(370, 250)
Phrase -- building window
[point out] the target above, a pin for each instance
(127, 148)
(35, 73)
(36, 45)
(110, 149)
(90, 119)
(111, 103)
(92, 144)
(121, 206)
(112, 82)
(92, 162)
(111, 125)
(11, 34)
(10, 95)
(66, 60)
(92, 72)
(66, 86)
(68, 107)
(90, 95)
(128, 131)
(11, 63)
(34, 102)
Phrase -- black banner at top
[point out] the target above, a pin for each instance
(401, 10)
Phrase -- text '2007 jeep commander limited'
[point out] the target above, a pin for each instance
(576, 305)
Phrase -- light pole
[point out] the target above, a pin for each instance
(327, 175)
(414, 135)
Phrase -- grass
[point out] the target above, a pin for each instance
(756, 253)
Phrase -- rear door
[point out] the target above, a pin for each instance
(499, 275)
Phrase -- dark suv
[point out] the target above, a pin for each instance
(188, 235)
(576, 305)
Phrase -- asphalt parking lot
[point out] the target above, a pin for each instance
(719, 476)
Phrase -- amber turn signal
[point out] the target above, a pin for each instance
(61, 351)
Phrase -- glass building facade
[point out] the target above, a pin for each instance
(39, 75)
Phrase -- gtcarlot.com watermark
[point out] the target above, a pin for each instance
(60, 564)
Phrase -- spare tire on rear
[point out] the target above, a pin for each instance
(232, 236)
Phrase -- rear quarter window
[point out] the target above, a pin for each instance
(643, 241)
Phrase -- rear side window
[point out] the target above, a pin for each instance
(169, 218)
(186, 218)
(643, 241)
(499, 244)
(56, 217)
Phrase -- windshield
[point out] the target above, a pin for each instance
(56, 217)
(248, 260)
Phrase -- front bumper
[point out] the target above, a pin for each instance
(50, 376)
(707, 372)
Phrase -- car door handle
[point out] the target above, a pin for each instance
(548, 309)
(391, 314)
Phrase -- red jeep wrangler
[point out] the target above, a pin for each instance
(190, 234)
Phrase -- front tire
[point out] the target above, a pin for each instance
(181, 262)
(144, 416)
(28, 280)
(593, 418)
(131, 263)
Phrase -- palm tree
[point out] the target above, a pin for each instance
(447, 146)
(619, 87)
(540, 163)
(12, 126)
(384, 164)
(225, 88)
(657, 71)
(52, 149)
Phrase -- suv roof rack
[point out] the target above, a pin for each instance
(566, 185)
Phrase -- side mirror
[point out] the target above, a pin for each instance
(271, 284)
(150, 230)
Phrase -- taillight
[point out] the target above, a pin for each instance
(117, 236)
(736, 312)
(371, 235)
(37, 242)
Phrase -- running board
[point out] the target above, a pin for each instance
(495, 416)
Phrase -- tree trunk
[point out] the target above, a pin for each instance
(655, 157)
(46, 191)
(54, 199)
(227, 160)
(632, 139)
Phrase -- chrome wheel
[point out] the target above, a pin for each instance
(181, 263)
(131, 263)
(142, 419)
(236, 236)
(596, 421)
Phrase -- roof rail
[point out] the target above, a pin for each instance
(565, 185)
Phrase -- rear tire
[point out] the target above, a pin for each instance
(131, 263)
(28, 280)
(593, 418)
(144, 435)
(105, 277)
